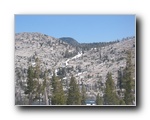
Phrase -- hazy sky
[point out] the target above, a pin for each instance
(83, 28)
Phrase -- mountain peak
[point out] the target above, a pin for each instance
(70, 41)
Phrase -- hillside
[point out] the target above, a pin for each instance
(85, 46)
(48, 49)
(89, 66)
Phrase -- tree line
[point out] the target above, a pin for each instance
(58, 95)
(51, 90)
(124, 92)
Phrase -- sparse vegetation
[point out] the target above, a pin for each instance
(49, 71)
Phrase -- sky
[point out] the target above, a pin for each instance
(83, 28)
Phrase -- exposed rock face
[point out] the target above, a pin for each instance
(88, 67)
(49, 50)
(99, 61)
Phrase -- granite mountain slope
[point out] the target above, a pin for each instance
(89, 66)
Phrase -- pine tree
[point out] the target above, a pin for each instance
(45, 87)
(31, 84)
(54, 81)
(83, 93)
(120, 85)
(110, 97)
(58, 97)
(37, 77)
(74, 97)
(122, 102)
(120, 79)
(37, 69)
(128, 79)
(99, 100)
(100, 55)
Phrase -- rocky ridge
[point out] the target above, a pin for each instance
(88, 66)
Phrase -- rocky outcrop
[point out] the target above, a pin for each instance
(89, 66)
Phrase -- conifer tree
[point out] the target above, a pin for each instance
(54, 80)
(99, 100)
(45, 87)
(37, 77)
(37, 69)
(128, 79)
(120, 79)
(31, 84)
(110, 97)
(122, 102)
(74, 97)
(58, 97)
(120, 84)
(83, 93)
